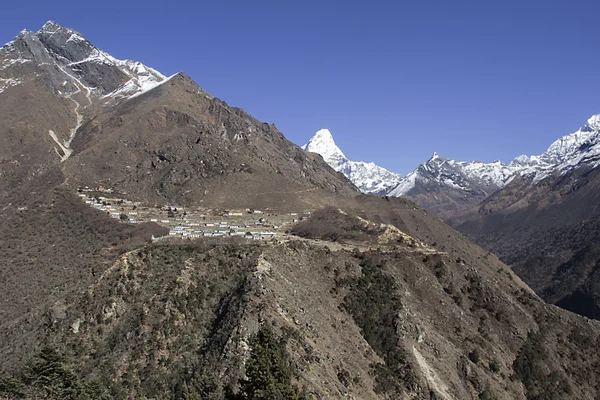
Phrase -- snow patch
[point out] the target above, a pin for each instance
(7, 83)
(11, 62)
(408, 183)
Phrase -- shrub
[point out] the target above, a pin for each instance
(268, 369)
(495, 365)
(48, 376)
(533, 367)
(374, 303)
(330, 224)
(474, 356)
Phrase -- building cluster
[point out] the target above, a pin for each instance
(221, 229)
(191, 224)
(104, 204)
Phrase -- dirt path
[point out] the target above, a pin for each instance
(434, 381)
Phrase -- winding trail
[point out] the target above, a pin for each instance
(65, 146)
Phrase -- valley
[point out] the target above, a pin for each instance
(539, 214)
(158, 243)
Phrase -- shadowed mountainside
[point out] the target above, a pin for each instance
(548, 234)
(406, 309)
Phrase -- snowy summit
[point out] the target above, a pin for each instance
(368, 177)
(579, 149)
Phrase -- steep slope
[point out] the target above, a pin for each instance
(50, 83)
(426, 315)
(441, 185)
(377, 299)
(368, 177)
(444, 186)
(125, 126)
(97, 70)
(580, 149)
(178, 143)
(53, 243)
(543, 223)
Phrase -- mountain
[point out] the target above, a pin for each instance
(358, 296)
(51, 82)
(579, 149)
(544, 222)
(538, 213)
(440, 185)
(427, 314)
(122, 125)
(446, 186)
(367, 177)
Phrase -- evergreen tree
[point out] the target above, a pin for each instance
(268, 370)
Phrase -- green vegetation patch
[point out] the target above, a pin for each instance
(374, 303)
(50, 376)
(269, 371)
(534, 368)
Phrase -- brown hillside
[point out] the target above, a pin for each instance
(548, 233)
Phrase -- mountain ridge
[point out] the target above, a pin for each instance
(475, 180)
(359, 297)
(64, 101)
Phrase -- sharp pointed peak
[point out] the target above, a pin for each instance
(52, 25)
(323, 136)
(435, 156)
(323, 133)
(322, 142)
(592, 124)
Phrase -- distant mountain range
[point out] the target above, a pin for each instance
(358, 297)
(539, 214)
(446, 186)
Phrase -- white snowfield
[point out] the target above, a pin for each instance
(581, 148)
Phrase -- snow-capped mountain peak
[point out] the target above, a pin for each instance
(368, 177)
(471, 176)
(82, 78)
(593, 124)
(77, 60)
(445, 184)
(579, 148)
(322, 143)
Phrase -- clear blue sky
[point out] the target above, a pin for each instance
(394, 81)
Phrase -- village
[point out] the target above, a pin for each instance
(186, 223)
